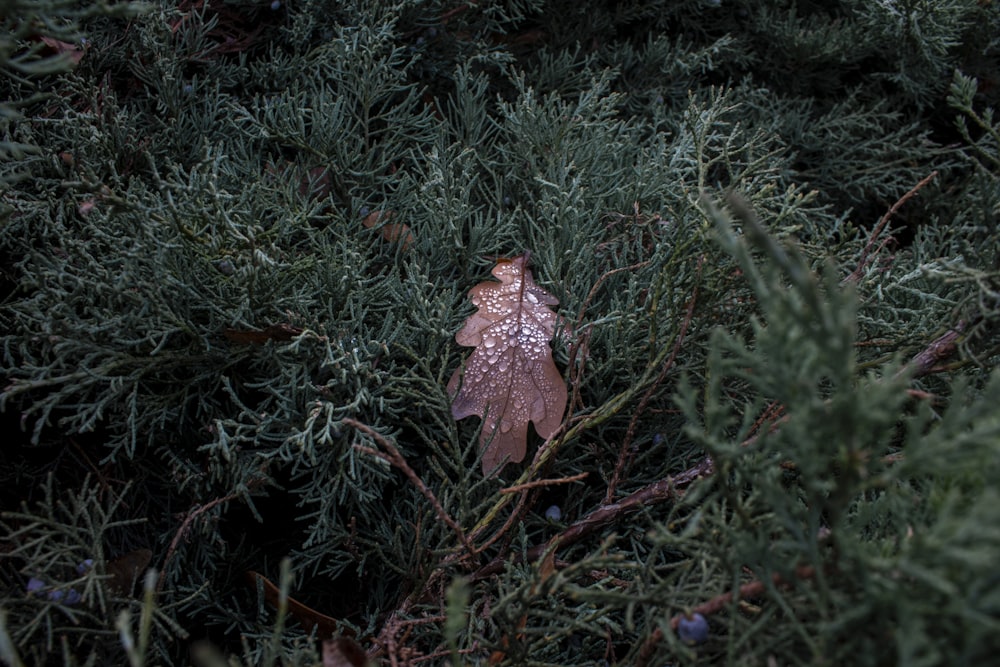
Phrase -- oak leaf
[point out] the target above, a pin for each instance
(510, 378)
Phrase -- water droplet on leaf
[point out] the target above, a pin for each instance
(514, 366)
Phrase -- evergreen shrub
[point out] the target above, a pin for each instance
(237, 238)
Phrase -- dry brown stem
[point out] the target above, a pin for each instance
(867, 253)
(544, 482)
(664, 490)
(393, 456)
(193, 514)
(625, 454)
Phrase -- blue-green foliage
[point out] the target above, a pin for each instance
(193, 306)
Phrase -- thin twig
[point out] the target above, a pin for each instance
(195, 512)
(663, 490)
(940, 348)
(771, 413)
(751, 589)
(866, 253)
(396, 458)
(515, 516)
(544, 482)
(597, 284)
(625, 454)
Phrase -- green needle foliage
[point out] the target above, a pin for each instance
(772, 229)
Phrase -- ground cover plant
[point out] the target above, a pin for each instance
(727, 270)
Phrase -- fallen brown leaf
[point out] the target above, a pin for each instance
(393, 232)
(343, 652)
(278, 332)
(510, 378)
(126, 570)
(326, 627)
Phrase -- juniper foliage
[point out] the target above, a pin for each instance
(780, 330)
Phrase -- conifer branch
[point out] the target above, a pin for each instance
(942, 347)
(182, 531)
(626, 454)
(158, 213)
(869, 249)
(396, 458)
(664, 490)
(544, 482)
(719, 603)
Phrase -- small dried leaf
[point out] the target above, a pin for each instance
(279, 332)
(343, 652)
(126, 570)
(71, 51)
(546, 567)
(86, 207)
(309, 618)
(510, 378)
(393, 232)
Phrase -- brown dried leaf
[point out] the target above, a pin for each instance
(72, 52)
(278, 332)
(126, 570)
(326, 627)
(343, 652)
(510, 378)
(393, 232)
